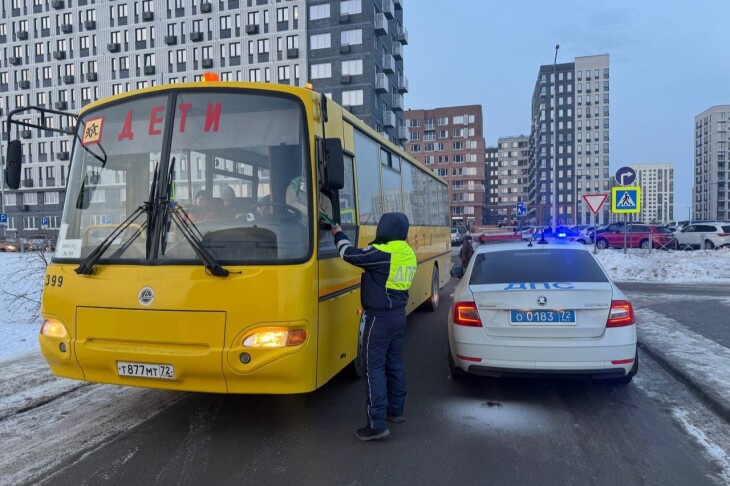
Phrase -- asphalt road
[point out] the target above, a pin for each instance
(703, 308)
(476, 431)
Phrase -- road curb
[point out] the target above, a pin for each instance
(704, 392)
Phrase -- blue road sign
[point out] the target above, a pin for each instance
(106, 220)
(521, 209)
(44, 221)
(625, 176)
(626, 199)
(3, 219)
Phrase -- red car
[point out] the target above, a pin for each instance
(637, 236)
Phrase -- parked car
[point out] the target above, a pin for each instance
(609, 228)
(9, 246)
(704, 235)
(637, 236)
(531, 232)
(545, 309)
(455, 237)
(676, 225)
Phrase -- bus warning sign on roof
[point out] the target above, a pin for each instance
(92, 131)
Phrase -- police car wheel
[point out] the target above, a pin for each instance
(456, 372)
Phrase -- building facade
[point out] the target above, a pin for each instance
(491, 181)
(711, 188)
(450, 141)
(657, 192)
(569, 140)
(512, 182)
(64, 54)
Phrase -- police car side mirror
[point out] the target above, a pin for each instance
(457, 272)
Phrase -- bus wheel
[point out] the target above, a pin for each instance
(358, 367)
(433, 301)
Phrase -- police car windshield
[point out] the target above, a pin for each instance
(535, 265)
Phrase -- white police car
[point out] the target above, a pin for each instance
(546, 309)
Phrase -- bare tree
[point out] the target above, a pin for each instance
(21, 285)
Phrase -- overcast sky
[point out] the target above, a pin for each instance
(669, 60)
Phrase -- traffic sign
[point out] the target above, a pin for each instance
(626, 199)
(44, 221)
(625, 176)
(3, 219)
(521, 209)
(106, 220)
(595, 201)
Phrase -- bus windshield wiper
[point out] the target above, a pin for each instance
(189, 230)
(87, 264)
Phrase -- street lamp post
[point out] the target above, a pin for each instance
(553, 152)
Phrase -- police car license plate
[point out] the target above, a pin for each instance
(566, 316)
(146, 370)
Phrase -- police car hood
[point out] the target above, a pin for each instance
(591, 303)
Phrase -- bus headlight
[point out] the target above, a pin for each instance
(275, 338)
(53, 328)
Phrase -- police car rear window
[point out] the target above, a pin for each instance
(535, 265)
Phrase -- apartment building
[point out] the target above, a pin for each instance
(450, 141)
(511, 184)
(569, 140)
(491, 180)
(711, 188)
(64, 54)
(657, 192)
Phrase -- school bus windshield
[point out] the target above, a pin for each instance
(225, 159)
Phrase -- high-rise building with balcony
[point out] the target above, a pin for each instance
(711, 188)
(450, 141)
(569, 140)
(511, 183)
(657, 192)
(491, 181)
(64, 54)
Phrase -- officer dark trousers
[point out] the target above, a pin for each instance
(386, 377)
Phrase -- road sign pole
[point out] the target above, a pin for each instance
(626, 217)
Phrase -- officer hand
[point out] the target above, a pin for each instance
(335, 229)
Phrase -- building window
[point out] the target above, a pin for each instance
(320, 71)
(350, 7)
(352, 68)
(352, 98)
(351, 37)
(317, 12)
(320, 41)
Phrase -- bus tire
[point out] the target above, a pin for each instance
(433, 300)
(358, 367)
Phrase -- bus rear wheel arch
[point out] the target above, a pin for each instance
(432, 303)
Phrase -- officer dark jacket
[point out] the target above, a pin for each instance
(389, 265)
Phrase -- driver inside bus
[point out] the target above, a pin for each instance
(296, 196)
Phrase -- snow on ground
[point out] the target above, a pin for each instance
(667, 266)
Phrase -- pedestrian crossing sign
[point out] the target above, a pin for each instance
(626, 199)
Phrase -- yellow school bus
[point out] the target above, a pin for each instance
(182, 262)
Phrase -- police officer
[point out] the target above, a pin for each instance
(389, 265)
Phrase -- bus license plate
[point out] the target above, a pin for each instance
(543, 317)
(146, 370)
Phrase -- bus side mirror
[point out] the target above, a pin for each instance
(335, 163)
(14, 160)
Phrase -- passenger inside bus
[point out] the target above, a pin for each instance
(203, 209)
